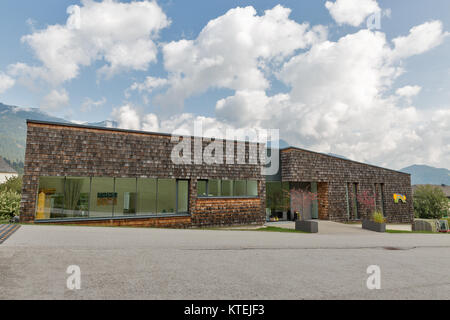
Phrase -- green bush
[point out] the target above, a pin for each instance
(429, 202)
(13, 184)
(377, 216)
(9, 204)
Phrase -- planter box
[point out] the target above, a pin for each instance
(374, 226)
(310, 226)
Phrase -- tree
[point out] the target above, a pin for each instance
(429, 202)
(300, 200)
(9, 204)
(13, 184)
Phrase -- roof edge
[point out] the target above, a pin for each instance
(163, 134)
(348, 160)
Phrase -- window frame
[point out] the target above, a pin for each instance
(233, 188)
(113, 206)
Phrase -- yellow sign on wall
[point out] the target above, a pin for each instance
(401, 197)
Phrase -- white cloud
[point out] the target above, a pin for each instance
(338, 103)
(121, 34)
(56, 99)
(420, 39)
(88, 104)
(408, 91)
(127, 117)
(352, 12)
(6, 82)
(149, 84)
(234, 51)
(150, 122)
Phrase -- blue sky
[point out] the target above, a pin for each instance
(422, 106)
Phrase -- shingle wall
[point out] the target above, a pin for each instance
(59, 150)
(336, 173)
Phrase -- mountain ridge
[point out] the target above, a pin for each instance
(424, 174)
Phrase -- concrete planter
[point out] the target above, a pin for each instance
(310, 226)
(374, 226)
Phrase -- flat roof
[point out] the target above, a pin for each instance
(343, 159)
(75, 125)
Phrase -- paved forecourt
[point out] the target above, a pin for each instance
(143, 263)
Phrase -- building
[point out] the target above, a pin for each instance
(95, 175)
(6, 171)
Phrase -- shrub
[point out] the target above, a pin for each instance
(429, 202)
(378, 217)
(9, 204)
(13, 184)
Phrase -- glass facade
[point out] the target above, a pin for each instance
(146, 196)
(167, 192)
(76, 197)
(101, 197)
(182, 195)
(201, 188)
(214, 188)
(227, 188)
(240, 188)
(277, 196)
(50, 201)
(252, 188)
(125, 188)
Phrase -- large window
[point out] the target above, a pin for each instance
(76, 197)
(201, 188)
(252, 188)
(227, 188)
(101, 197)
(277, 196)
(214, 188)
(167, 192)
(146, 189)
(50, 198)
(240, 188)
(182, 196)
(125, 188)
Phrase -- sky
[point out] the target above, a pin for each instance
(366, 79)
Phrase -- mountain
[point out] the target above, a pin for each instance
(13, 129)
(281, 144)
(105, 123)
(422, 174)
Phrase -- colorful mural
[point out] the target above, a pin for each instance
(401, 197)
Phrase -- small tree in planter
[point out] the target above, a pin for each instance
(373, 219)
(376, 223)
(299, 200)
